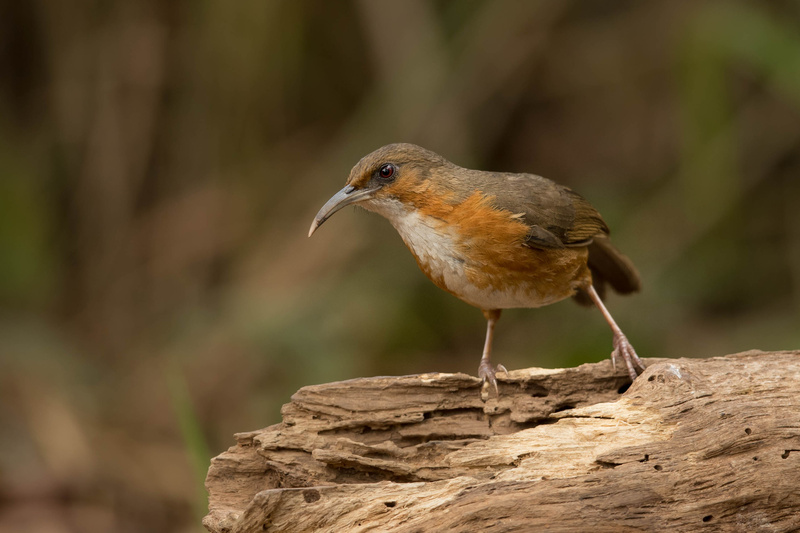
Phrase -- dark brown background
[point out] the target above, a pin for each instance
(160, 163)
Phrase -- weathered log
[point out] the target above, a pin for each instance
(693, 444)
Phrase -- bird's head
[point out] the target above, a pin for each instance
(391, 174)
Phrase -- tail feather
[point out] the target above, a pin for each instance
(609, 267)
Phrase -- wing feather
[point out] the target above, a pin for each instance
(557, 215)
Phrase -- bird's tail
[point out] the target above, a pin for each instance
(609, 266)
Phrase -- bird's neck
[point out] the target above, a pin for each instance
(427, 237)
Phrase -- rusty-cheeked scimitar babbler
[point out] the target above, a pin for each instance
(495, 240)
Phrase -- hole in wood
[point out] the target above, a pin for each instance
(707, 518)
(605, 464)
(659, 468)
(623, 388)
(389, 504)
(539, 392)
(748, 430)
(310, 496)
(646, 458)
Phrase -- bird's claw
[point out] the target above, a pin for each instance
(624, 350)
(487, 374)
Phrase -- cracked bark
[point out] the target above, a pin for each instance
(693, 444)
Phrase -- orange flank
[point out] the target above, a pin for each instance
(491, 243)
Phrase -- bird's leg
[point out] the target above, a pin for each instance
(485, 370)
(622, 348)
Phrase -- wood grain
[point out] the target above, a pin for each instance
(693, 445)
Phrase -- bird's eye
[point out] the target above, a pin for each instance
(386, 171)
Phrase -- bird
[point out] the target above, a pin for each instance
(496, 240)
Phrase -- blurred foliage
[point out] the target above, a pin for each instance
(160, 163)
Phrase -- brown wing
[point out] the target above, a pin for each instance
(587, 222)
(557, 215)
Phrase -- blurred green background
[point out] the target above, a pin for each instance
(160, 163)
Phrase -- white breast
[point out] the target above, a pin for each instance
(428, 238)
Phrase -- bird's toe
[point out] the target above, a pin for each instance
(488, 373)
(624, 350)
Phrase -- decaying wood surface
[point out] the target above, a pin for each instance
(693, 445)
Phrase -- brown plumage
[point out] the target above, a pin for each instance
(495, 240)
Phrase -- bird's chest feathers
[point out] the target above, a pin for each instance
(476, 253)
(434, 246)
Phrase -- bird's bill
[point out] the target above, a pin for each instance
(348, 195)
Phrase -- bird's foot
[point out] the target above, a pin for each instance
(624, 350)
(487, 373)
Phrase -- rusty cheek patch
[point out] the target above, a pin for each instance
(422, 195)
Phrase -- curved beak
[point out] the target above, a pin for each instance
(348, 195)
